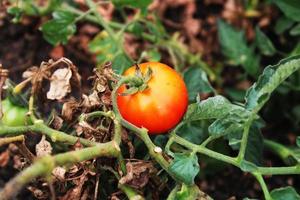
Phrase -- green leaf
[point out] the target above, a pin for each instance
(298, 141)
(248, 166)
(185, 167)
(291, 8)
(153, 55)
(196, 81)
(234, 135)
(235, 94)
(212, 108)
(142, 4)
(155, 28)
(235, 48)
(60, 28)
(136, 28)
(194, 131)
(188, 193)
(17, 12)
(259, 93)
(121, 62)
(283, 24)
(264, 43)
(285, 193)
(255, 145)
(295, 30)
(104, 47)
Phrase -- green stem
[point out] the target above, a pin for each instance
(263, 185)
(204, 150)
(111, 24)
(278, 149)
(8, 140)
(279, 170)
(100, 20)
(131, 193)
(40, 127)
(244, 141)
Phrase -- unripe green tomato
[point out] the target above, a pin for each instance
(13, 115)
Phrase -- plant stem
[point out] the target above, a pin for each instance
(244, 141)
(279, 170)
(100, 20)
(204, 150)
(130, 192)
(8, 140)
(278, 149)
(40, 127)
(263, 185)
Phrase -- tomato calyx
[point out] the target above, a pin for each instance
(139, 83)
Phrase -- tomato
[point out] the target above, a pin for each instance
(159, 107)
(13, 115)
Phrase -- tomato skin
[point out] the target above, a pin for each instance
(13, 115)
(161, 106)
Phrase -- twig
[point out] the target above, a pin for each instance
(8, 140)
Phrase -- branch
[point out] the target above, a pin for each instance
(8, 140)
(40, 127)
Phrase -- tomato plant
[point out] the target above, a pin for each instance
(217, 103)
(161, 105)
(13, 115)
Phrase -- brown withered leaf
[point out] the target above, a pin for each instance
(91, 101)
(138, 173)
(69, 109)
(128, 142)
(63, 76)
(60, 84)
(19, 162)
(43, 147)
(59, 173)
(114, 197)
(38, 193)
(75, 192)
(4, 158)
(56, 122)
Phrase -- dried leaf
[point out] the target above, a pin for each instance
(56, 122)
(138, 173)
(59, 173)
(91, 101)
(69, 109)
(60, 84)
(75, 192)
(43, 147)
(39, 194)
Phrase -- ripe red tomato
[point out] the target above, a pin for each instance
(159, 107)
